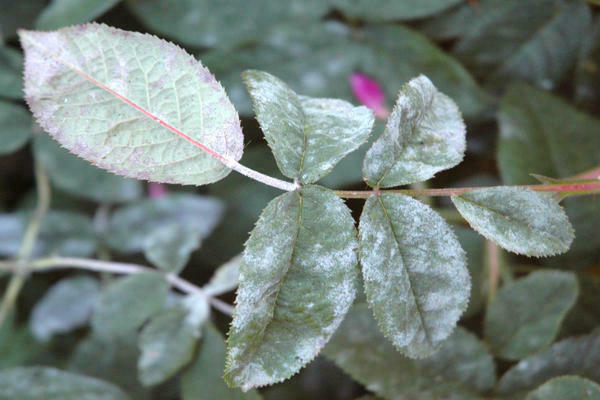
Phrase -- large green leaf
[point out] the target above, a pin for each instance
(316, 60)
(203, 380)
(414, 272)
(537, 40)
(113, 359)
(167, 343)
(127, 302)
(526, 314)
(60, 13)
(577, 355)
(80, 178)
(519, 220)
(424, 134)
(131, 103)
(566, 388)
(67, 305)
(11, 77)
(308, 136)
(542, 134)
(390, 10)
(209, 23)
(170, 247)
(15, 127)
(42, 383)
(130, 226)
(360, 350)
(298, 279)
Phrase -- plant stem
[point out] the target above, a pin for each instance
(54, 263)
(19, 275)
(580, 188)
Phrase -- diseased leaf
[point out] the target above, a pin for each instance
(359, 349)
(390, 10)
(414, 272)
(170, 247)
(127, 302)
(576, 355)
(519, 220)
(15, 127)
(225, 278)
(208, 23)
(60, 13)
(526, 314)
(130, 226)
(11, 76)
(308, 136)
(424, 134)
(130, 103)
(112, 359)
(67, 305)
(167, 344)
(298, 279)
(203, 379)
(566, 388)
(80, 178)
(44, 383)
(542, 134)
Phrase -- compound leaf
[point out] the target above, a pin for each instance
(424, 134)
(527, 313)
(298, 278)
(308, 136)
(44, 383)
(131, 103)
(414, 272)
(519, 220)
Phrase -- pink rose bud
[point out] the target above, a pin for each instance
(369, 93)
(156, 190)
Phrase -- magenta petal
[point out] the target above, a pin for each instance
(369, 93)
(156, 190)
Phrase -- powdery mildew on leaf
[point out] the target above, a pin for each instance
(424, 134)
(298, 279)
(308, 136)
(414, 272)
(69, 76)
(526, 314)
(520, 220)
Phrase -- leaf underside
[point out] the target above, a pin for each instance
(130, 103)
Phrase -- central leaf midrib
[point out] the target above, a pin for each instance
(405, 265)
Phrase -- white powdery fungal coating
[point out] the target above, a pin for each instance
(158, 76)
(520, 220)
(424, 134)
(308, 136)
(414, 272)
(298, 278)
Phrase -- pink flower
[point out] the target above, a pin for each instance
(369, 93)
(156, 190)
